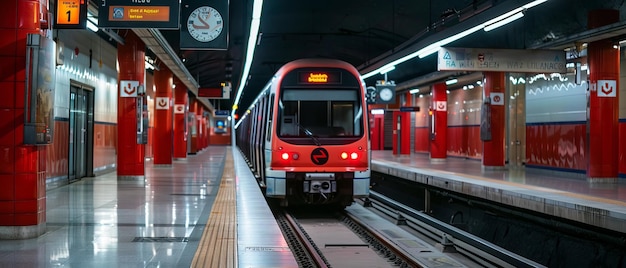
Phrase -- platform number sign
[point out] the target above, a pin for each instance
(607, 88)
(70, 14)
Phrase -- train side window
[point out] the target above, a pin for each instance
(270, 116)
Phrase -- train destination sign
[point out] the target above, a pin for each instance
(161, 14)
(501, 60)
(319, 77)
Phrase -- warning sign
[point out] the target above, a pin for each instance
(162, 103)
(497, 98)
(607, 88)
(441, 106)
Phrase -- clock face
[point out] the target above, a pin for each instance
(385, 94)
(205, 24)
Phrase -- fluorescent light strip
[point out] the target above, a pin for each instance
(92, 26)
(254, 32)
(503, 22)
(388, 69)
(432, 48)
(452, 81)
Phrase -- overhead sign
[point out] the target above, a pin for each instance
(70, 14)
(501, 60)
(160, 14)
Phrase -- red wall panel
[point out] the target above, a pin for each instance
(559, 146)
(57, 153)
(622, 147)
(422, 139)
(105, 144)
(464, 141)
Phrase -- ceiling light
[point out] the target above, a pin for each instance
(415, 90)
(434, 47)
(252, 40)
(92, 26)
(451, 81)
(387, 69)
(505, 21)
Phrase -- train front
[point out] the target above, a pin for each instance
(320, 150)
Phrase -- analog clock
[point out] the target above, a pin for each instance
(385, 94)
(205, 24)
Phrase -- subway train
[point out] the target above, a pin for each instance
(305, 136)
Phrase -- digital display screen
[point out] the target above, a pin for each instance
(70, 14)
(322, 77)
(159, 14)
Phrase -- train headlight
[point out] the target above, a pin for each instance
(285, 156)
(344, 155)
(354, 156)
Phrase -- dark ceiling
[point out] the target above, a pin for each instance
(368, 33)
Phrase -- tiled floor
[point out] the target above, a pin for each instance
(103, 222)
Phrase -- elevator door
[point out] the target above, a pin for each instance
(80, 125)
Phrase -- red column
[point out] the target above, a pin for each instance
(193, 106)
(201, 128)
(163, 79)
(603, 60)
(22, 167)
(180, 112)
(438, 142)
(130, 155)
(493, 150)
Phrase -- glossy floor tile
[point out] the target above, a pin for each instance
(106, 222)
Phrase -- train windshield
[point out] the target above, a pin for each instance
(320, 116)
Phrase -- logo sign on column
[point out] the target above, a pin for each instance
(128, 88)
(162, 103)
(441, 106)
(607, 88)
(179, 108)
(497, 98)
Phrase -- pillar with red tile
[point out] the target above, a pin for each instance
(180, 126)
(493, 149)
(130, 154)
(163, 131)
(439, 132)
(193, 125)
(22, 167)
(201, 127)
(603, 59)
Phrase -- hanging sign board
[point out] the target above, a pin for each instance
(70, 14)
(501, 60)
(159, 14)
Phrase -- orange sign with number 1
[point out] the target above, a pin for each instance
(68, 12)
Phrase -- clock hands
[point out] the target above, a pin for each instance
(204, 25)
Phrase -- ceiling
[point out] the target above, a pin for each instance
(371, 33)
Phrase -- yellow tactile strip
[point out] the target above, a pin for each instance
(218, 245)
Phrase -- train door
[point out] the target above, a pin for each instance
(516, 122)
(80, 151)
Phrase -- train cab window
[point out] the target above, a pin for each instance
(328, 116)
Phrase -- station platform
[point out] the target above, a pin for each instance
(203, 211)
(558, 194)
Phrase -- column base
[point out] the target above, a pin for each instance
(493, 168)
(131, 178)
(601, 180)
(22, 232)
(438, 159)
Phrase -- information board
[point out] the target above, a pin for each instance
(128, 14)
(70, 14)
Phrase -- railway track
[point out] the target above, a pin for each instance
(383, 235)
